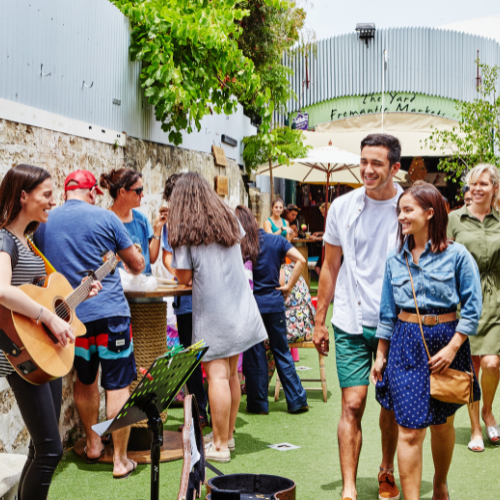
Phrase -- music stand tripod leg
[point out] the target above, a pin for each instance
(155, 425)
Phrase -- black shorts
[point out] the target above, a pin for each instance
(108, 342)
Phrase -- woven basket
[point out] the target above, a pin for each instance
(149, 329)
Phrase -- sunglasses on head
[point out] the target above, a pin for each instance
(137, 191)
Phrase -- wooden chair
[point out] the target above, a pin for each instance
(322, 373)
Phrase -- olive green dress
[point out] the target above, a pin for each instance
(482, 239)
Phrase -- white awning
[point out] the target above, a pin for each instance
(410, 128)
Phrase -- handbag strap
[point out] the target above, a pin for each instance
(416, 307)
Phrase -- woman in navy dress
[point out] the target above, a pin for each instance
(444, 275)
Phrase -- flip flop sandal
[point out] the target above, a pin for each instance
(493, 434)
(127, 474)
(92, 460)
(476, 445)
(106, 439)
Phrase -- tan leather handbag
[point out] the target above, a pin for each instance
(449, 386)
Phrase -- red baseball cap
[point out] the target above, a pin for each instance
(83, 179)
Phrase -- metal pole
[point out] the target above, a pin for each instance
(326, 210)
(383, 87)
(155, 425)
(271, 178)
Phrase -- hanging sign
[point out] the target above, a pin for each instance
(301, 121)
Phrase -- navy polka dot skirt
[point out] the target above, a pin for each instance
(405, 387)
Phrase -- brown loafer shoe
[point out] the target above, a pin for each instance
(387, 489)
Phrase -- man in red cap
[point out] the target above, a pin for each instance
(74, 238)
(82, 180)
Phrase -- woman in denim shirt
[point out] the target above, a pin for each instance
(444, 275)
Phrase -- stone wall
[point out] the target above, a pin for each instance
(260, 204)
(60, 154)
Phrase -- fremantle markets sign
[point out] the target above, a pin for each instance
(394, 102)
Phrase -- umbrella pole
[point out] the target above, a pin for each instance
(326, 212)
(271, 178)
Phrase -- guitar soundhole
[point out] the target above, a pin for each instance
(62, 309)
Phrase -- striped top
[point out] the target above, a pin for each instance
(29, 267)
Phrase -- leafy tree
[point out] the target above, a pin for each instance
(191, 62)
(279, 145)
(267, 33)
(477, 137)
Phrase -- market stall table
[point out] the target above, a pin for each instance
(149, 329)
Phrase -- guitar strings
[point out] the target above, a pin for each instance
(80, 293)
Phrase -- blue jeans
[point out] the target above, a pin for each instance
(255, 368)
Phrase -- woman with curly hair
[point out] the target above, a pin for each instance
(205, 236)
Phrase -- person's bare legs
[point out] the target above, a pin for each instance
(475, 423)
(389, 429)
(410, 443)
(114, 403)
(87, 400)
(219, 394)
(349, 436)
(234, 384)
(442, 445)
(490, 366)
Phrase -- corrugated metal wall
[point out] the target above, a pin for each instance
(72, 42)
(423, 60)
(77, 41)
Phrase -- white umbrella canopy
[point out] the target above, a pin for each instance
(325, 164)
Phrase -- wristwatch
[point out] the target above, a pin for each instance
(156, 237)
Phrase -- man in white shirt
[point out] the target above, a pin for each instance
(362, 225)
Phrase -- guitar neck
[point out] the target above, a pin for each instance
(79, 294)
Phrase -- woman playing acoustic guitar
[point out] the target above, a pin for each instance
(26, 197)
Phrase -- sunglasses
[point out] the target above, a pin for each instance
(137, 191)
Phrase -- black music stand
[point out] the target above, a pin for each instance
(151, 397)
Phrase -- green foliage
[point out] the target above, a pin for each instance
(281, 144)
(477, 137)
(191, 62)
(268, 32)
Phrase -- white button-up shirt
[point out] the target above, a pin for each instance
(340, 231)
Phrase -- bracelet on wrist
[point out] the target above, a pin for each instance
(39, 316)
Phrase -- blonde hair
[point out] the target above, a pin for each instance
(322, 206)
(494, 178)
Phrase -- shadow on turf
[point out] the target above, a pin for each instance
(311, 396)
(462, 438)
(70, 457)
(367, 486)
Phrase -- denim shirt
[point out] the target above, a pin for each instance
(441, 280)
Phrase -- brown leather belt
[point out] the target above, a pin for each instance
(428, 319)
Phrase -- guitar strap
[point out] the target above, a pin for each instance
(49, 268)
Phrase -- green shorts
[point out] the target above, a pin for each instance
(354, 355)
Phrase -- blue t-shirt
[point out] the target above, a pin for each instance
(140, 231)
(182, 305)
(266, 272)
(73, 240)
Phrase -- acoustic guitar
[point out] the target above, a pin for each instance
(31, 348)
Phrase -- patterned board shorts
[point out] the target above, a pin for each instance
(108, 343)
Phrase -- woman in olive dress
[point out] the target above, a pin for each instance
(477, 227)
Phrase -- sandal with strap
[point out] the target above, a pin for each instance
(387, 489)
(476, 445)
(493, 434)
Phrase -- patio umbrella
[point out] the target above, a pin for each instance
(326, 164)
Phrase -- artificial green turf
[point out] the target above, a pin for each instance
(314, 467)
